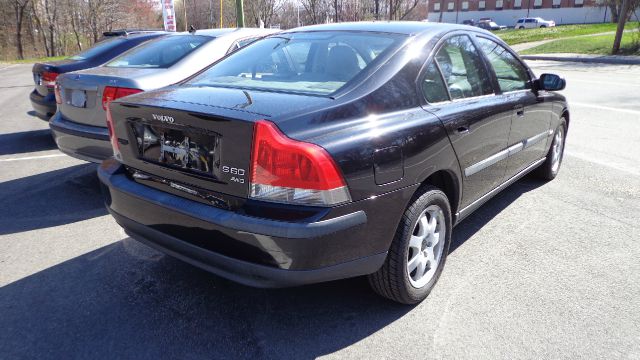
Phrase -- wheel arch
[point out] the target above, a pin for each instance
(565, 115)
(448, 182)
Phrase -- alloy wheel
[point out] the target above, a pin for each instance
(425, 246)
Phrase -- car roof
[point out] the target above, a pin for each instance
(137, 35)
(398, 27)
(231, 32)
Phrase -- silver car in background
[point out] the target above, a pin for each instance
(79, 124)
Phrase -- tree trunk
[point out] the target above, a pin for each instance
(624, 13)
(74, 26)
(19, 10)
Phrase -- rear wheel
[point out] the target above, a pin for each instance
(418, 252)
(521, 27)
(550, 168)
(543, 26)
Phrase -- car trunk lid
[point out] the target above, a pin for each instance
(195, 141)
(40, 71)
(82, 93)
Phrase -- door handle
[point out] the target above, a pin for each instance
(462, 129)
(519, 110)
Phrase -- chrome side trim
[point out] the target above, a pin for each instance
(486, 162)
(503, 154)
(476, 204)
(536, 139)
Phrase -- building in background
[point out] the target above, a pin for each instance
(507, 12)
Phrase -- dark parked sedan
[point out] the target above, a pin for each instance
(45, 74)
(332, 151)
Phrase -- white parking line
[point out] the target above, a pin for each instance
(608, 108)
(33, 157)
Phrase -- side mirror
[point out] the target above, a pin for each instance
(551, 82)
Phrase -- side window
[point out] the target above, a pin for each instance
(509, 71)
(463, 69)
(433, 87)
(244, 42)
(233, 47)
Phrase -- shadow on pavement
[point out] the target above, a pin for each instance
(126, 300)
(39, 116)
(474, 222)
(49, 199)
(25, 142)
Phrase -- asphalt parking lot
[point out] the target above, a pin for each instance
(544, 270)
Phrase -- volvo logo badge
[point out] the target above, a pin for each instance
(163, 118)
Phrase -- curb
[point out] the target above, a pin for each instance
(616, 60)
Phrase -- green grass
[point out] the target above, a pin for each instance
(600, 45)
(513, 36)
(34, 60)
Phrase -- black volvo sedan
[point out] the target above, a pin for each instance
(332, 151)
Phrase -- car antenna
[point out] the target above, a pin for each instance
(192, 29)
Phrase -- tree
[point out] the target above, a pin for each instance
(615, 7)
(19, 8)
(263, 11)
(624, 14)
(317, 10)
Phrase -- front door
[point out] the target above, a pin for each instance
(459, 91)
(531, 114)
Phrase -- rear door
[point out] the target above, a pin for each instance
(531, 114)
(459, 90)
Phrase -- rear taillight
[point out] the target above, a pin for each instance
(111, 93)
(290, 171)
(56, 91)
(112, 135)
(49, 78)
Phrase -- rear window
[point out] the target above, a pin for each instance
(161, 53)
(313, 62)
(99, 48)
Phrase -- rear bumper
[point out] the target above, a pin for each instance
(245, 272)
(44, 106)
(85, 142)
(253, 251)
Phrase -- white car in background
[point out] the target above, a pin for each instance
(530, 23)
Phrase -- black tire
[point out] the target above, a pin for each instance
(547, 171)
(392, 279)
(543, 26)
(521, 28)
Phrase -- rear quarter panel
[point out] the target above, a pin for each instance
(389, 114)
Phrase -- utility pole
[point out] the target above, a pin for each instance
(239, 13)
(220, 14)
(622, 19)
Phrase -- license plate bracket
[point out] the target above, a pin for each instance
(186, 149)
